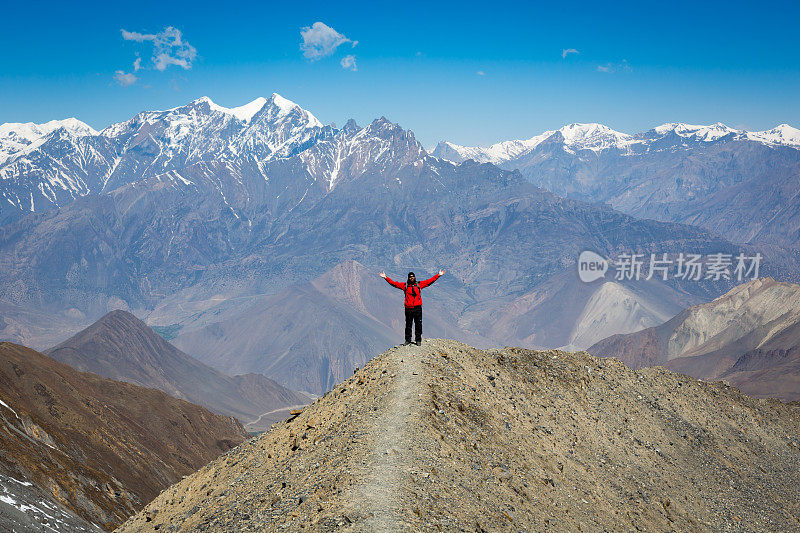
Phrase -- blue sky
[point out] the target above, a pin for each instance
(638, 64)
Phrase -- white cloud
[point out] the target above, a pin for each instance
(611, 68)
(169, 48)
(567, 51)
(126, 79)
(349, 63)
(320, 40)
(481, 73)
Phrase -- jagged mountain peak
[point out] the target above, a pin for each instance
(30, 130)
(16, 137)
(382, 123)
(384, 128)
(711, 132)
(351, 126)
(244, 112)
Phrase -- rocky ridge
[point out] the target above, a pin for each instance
(95, 448)
(448, 437)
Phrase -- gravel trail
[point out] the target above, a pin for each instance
(380, 497)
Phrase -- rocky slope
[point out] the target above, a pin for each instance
(713, 332)
(121, 347)
(99, 448)
(751, 328)
(28, 508)
(448, 437)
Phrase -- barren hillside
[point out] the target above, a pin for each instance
(99, 448)
(445, 436)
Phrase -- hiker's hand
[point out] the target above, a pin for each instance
(441, 272)
(382, 274)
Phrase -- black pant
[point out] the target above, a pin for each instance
(414, 314)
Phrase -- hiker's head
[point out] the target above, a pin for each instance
(411, 277)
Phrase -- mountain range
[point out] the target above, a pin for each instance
(736, 183)
(747, 337)
(202, 219)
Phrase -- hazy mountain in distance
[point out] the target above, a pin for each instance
(313, 335)
(100, 448)
(119, 346)
(750, 328)
(568, 313)
(772, 370)
(215, 230)
(733, 182)
(36, 328)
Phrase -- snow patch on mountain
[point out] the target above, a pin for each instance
(17, 136)
(701, 133)
(779, 135)
(592, 136)
(598, 138)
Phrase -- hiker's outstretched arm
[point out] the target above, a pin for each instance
(390, 281)
(425, 283)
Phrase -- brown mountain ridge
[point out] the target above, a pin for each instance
(98, 447)
(749, 337)
(121, 347)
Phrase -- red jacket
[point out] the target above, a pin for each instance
(413, 293)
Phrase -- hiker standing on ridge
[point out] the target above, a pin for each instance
(413, 301)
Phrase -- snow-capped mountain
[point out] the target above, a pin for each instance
(196, 210)
(598, 138)
(779, 135)
(574, 137)
(734, 182)
(50, 165)
(15, 137)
